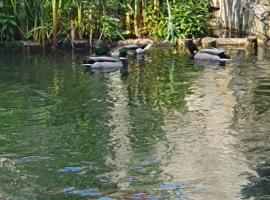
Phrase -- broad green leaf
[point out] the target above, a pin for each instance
(4, 27)
(11, 31)
(13, 22)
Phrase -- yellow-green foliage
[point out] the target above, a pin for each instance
(51, 20)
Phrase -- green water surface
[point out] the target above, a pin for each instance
(166, 128)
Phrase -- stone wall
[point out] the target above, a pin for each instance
(247, 17)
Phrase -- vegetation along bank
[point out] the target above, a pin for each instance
(61, 23)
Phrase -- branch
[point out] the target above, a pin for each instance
(256, 16)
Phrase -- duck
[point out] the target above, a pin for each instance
(102, 62)
(213, 54)
(95, 62)
(137, 48)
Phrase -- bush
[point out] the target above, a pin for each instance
(188, 18)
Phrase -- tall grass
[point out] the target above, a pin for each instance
(48, 21)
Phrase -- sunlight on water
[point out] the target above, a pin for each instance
(166, 128)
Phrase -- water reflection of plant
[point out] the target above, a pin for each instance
(259, 186)
(57, 114)
(65, 117)
(251, 120)
(164, 83)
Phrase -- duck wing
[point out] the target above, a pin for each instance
(102, 59)
(108, 65)
(129, 47)
(212, 51)
(216, 52)
(134, 46)
(148, 46)
(206, 56)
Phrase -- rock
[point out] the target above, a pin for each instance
(249, 43)
(209, 42)
(71, 169)
(80, 44)
(31, 159)
(172, 186)
(135, 41)
(232, 42)
(20, 45)
(31, 44)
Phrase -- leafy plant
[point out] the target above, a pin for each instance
(190, 18)
(110, 27)
(7, 27)
(156, 26)
(51, 20)
(179, 19)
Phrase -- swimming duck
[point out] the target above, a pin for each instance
(138, 48)
(213, 54)
(103, 62)
(106, 61)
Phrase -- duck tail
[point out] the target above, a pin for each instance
(86, 65)
(88, 62)
(147, 47)
(224, 56)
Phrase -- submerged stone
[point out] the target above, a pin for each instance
(31, 159)
(142, 195)
(68, 190)
(150, 162)
(105, 198)
(172, 186)
(129, 179)
(104, 178)
(92, 192)
(71, 169)
(7, 155)
(87, 192)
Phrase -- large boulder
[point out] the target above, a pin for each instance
(135, 41)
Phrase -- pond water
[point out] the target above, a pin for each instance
(166, 128)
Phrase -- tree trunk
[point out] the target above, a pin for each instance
(128, 20)
(142, 4)
(55, 23)
(137, 18)
(157, 7)
(79, 22)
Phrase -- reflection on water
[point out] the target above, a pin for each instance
(252, 122)
(205, 143)
(165, 128)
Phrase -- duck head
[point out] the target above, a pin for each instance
(192, 48)
(101, 51)
(123, 53)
